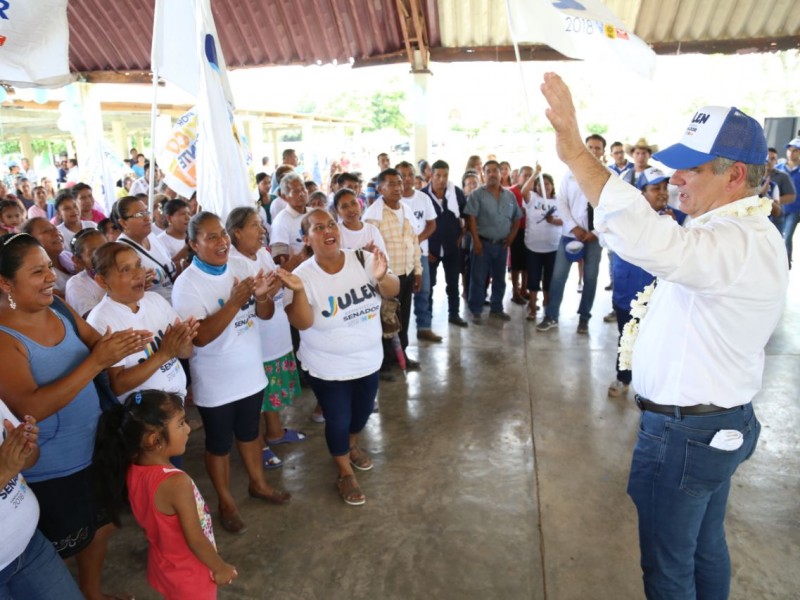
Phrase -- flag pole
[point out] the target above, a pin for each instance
(153, 111)
(524, 89)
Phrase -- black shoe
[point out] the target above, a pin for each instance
(609, 287)
(411, 364)
(458, 321)
(387, 376)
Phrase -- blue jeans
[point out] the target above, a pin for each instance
(591, 266)
(346, 405)
(38, 574)
(789, 225)
(422, 298)
(492, 261)
(680, 487)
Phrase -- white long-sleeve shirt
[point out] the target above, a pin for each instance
(721, 292)
(573, 207)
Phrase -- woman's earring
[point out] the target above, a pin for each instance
(11, 302)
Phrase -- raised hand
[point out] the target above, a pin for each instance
(19, 447)
(242, 290)
(562, 117)
(289, 280)
(266, 285)
(113, 347)
(274, 284)
(380, 264)
(149, 277)
(177, 340)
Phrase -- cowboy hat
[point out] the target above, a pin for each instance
(642, 143)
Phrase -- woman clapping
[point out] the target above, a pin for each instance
(334, 299)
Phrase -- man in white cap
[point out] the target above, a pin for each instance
(791, 211)
(695, 375)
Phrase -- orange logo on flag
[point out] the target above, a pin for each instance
(622, 34)
(2, 40)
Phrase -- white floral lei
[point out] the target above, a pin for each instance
(747, 207)
(631, 329)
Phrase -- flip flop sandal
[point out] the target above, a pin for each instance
(270, 459)
(350, 491)
(362, 461)
(289, 436)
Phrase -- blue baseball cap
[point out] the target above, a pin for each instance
(717, 131)
(652, 176)
(795, 143)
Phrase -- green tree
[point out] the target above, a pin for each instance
(385, 112)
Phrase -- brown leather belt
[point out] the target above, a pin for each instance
(670, 409)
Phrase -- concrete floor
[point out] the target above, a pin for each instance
(500, 473)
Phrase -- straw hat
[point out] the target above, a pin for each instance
(642, 143)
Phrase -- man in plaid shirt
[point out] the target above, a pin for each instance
(393, 217)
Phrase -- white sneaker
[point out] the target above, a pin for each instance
(617, 388)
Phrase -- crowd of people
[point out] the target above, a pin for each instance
(111, 324)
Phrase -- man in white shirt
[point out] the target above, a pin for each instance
(696, 374)
(287, 238)
(424, 224)
(577, 215)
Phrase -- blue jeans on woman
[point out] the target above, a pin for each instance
(346, 405)
(38, 574)
(680, 485)
(591, 267)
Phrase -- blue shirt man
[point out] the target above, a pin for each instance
(493, 217)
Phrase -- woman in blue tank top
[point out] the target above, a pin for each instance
(47, 368)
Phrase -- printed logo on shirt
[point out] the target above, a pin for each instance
(351, 301)
(14, 491)
(152, 347)
(418, 214)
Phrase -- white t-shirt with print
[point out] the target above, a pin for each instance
(276, 337)
(286, 230)
(355, 240)
(69, 235)
(161, 284)
(155, 315)
(541, 236)
(344, 341)
(19, 509)
(228, 368)
(422, 208)
(83, 293)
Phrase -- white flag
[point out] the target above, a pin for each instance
(174, 50)
(222, 180)
(34, 43)
(583, 29)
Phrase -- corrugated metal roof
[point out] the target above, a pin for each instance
(111, 35)
(667, 25)
(117, 35)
